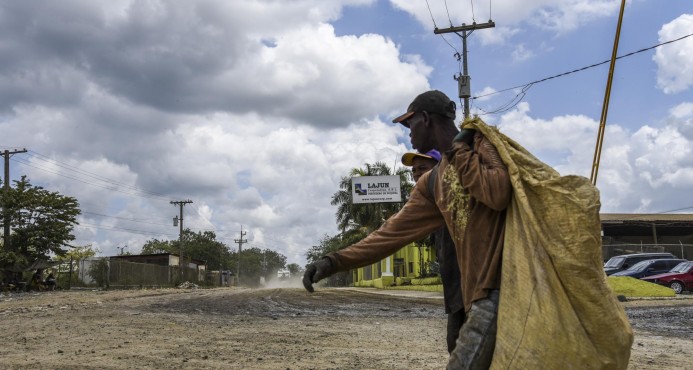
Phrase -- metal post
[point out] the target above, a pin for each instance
(465, 72)
(6, 186)
(240, 242)
(181, 203)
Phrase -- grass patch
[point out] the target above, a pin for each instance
(631, 287)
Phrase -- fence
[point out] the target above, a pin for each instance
(679, 250)
(102, 271)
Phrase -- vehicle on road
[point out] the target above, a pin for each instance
(650, 267)
(680, 278)
(625, 261)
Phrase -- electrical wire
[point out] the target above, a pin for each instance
(473, 17)
(583, 68)
(509, 105)
(447, 11)
(108, 185)
(91, 175)
(431, 13)
(123, 229)
(199, 213)
(143, 221)
(436, 26)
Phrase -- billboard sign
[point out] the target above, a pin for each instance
(375, 189)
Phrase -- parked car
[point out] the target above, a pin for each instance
(649, 267)
(680, 278)
(618, 263)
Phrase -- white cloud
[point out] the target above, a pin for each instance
(485, 91)
(649, 170)
(675, 61)
(510, 15)
(213, 101)
(521, 53)
(253, 110)
(200, 57)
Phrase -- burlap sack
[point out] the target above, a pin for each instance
(556, 310)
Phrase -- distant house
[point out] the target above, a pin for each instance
(198, 267)
(161, 259)
(624, 233)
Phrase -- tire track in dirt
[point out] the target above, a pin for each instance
(295, 302)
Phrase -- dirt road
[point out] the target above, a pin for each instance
(268, 329)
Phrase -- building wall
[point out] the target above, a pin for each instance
(404, 264)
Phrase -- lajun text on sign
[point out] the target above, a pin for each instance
(376, 189)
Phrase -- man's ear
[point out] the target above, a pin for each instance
(426, 117)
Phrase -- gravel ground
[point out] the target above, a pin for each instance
(283, 328)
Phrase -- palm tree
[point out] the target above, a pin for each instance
(368, 217)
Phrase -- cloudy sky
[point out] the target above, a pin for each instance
(254, 109)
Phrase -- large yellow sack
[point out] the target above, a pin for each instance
(556, 309)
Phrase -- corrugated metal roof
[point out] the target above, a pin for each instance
(650, 217)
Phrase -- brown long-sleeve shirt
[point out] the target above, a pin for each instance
(479, 245)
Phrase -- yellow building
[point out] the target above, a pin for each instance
(408, 263)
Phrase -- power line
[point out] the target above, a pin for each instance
(125, 219)
(448, 11)
(473, 17)
(431, 13)
(583, 68)
(199, 213)
(123, 229)
(436, 26)
(111, 187)
(89, 175)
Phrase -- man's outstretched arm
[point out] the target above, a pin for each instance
(417, 219)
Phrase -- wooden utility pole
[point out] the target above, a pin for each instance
(6, 222)
(240, 242)
(607, 97)
(180, 203)
(464, 81)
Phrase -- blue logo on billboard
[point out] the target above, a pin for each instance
(359, 190)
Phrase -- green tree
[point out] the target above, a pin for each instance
(77, 253)
(369, 216)
(295, 269)
(202, 246)
(73, 256)
(256, 263)
(42, 223)
(99, 272)
(155, 246)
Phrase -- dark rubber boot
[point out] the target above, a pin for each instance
(477, 339)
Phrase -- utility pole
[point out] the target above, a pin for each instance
(6, 223)
(240, 242)
(464, 81)
(607, 96)
(180, 203)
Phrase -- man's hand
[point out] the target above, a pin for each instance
(465, 136)
(317, 271)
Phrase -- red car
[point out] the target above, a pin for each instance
(680, 278)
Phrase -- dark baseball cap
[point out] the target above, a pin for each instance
(408, 158)
(433, 101)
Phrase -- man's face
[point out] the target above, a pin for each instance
(419, 166)
(419, 132)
